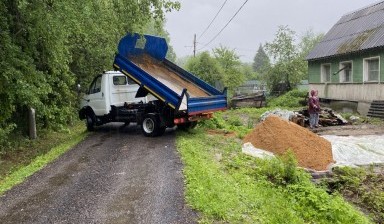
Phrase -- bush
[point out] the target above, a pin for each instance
(282, 170)
(293, 98)
(214, 123)
(4, 135)
(363, 187)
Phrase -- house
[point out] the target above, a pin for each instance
(347, 66)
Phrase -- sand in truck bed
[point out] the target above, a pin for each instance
(167, 76)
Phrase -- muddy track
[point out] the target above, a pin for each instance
(114, 176)
(351, 130)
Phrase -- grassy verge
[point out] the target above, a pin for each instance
(27, 157)
(363, 187)
(226, 186)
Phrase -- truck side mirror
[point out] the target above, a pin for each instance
(78, 88)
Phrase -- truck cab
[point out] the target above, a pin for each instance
(110, 89)
(109, 98)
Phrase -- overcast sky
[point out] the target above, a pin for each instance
(255, 24)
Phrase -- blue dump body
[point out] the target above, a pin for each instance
(135, 45)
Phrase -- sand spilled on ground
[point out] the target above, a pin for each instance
(277, 135)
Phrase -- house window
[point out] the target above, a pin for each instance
(371, 69)
(326, 73)
(346, 71)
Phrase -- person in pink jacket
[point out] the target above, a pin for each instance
(313, 109)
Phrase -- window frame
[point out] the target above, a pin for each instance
(129, 81)
(323, 75)
(118, 84)
(342, 74)
(365, 69)
(92, 87)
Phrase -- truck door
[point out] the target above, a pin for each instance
(96, 98)
(123, 90)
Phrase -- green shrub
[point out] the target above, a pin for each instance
(216, 122)
(291, 99)
(4, 135)
(363, 187)
(235, 121)
(281, 170)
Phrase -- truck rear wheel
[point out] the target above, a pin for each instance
(151, 126)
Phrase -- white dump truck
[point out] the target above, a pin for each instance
(149, 90)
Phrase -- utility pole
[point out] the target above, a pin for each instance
(194, 45)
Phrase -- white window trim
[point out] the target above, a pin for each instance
(322, 73)
(342, 72)
(365, 69)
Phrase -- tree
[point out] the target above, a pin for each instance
(249, 73)
(46, 47)
(308, 42)
(205, 67)
(231, 66)
(288, 66)
(261, 61)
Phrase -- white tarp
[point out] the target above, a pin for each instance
(357, 150)
(284, 114)
(250, 150)
(346, 150)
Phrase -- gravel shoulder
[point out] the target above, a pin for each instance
(114, 176)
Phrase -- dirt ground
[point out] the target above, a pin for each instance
(351, 130)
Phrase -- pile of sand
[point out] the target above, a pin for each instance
(277, 135)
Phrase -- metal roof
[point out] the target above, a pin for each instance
(356, 31)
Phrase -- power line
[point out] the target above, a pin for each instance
(213, 19)
(224, 26)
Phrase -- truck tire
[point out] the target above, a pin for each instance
(90, 122)
(151, 126)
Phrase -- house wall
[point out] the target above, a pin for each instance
(357, 90)
(365, 92)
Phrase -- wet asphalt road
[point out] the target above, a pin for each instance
(113, 176)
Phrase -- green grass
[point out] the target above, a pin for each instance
(364, 187)
(240, 121)
(226, 186)
(292, 99)
(31, 156)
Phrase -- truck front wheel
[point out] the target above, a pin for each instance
(90, 122)
(151, 126)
